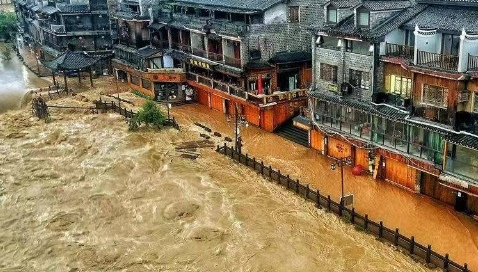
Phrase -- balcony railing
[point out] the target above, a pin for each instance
(218, 85)
(215, 56)
(400, 51)
(472, 63)
(199, 52)
(232, 62)
(435, 60)
(277, 96)
(182, 47)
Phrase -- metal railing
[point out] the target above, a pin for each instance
(399, 50)
(362, 222)
(472, 63)
(440, 61)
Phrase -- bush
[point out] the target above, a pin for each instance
(140, 94)
(7, 25)
(149, 115)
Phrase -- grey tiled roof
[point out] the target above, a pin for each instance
(288, 57)
(448, 18)
(464, 139)
(347, 26)
(48, 10)
(242, 4)
(71, 61)
(344, 3)
(386, 5)
(450, 2)
(65, 8)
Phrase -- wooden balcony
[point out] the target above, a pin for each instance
(218, 85)
(400, 51)
(232, 62)
(182, 47)
(472, 63)
(439, 61)
(199, 52)
(277, 96)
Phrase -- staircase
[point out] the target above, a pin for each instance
(293, 133)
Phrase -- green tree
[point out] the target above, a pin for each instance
(8, 26)
(149, 115)
(7, 53)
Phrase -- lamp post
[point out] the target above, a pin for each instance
(340, 162)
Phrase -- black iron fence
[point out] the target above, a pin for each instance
(384, 233)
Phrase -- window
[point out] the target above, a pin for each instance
(357, 47)
(450, 44)
(331, 15)
(329, 42)
(401, 86)
(328, 72)
(134, 80)
(359, 79)
(146, 84)
(363, 17)
(434, 96)
(294, 14)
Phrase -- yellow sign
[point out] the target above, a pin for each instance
(199, 63)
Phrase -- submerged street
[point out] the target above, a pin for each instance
(83, 194)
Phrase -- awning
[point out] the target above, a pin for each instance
(156, 26)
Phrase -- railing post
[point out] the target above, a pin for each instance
(247, 159)
(465, 268)
(297, 186)
(270, 171)
(380, 230)
(429, 254)
(254, 163)
(279, 175)
(262, 167)
(446, 262)
(340, 208)
(352, 216)
(397, 235)
(328, 202)
(288, 181)
(225, 149)
(366, 222)
(307, 191)
(318, 199)
(412, 244)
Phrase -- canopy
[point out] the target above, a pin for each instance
(71, 61)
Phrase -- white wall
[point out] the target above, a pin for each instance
(396, 37)
(276, 14)
(467, 47)
(228, 48)
(196, 40)
(168, 61)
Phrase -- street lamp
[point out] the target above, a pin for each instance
(340, 163)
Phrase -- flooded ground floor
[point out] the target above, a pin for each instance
(83, 194)
(430, 221)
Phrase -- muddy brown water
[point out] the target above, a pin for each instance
(84, 194)
(15, 81)
(430, 221)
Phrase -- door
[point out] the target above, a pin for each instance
(460, 201)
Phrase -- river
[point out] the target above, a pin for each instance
(82, 193)
(15, 81)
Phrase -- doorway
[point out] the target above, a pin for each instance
(460, 201)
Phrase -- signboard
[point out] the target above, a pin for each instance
(199, 63)
(348, 200)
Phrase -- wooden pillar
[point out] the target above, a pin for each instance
(53, 75)
(79, 76)
(66, 81)
(91, 77)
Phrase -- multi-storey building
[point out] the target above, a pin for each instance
(52, 27)
(394, 90)
(251, 54)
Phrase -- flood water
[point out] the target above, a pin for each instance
(83, 194)
(15, 81)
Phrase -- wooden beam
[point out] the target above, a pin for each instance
(91, 77)
(66, 81)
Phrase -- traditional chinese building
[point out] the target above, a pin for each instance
(253, 55)
(394, 89)
(52, 27)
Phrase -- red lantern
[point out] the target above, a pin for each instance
(357, 170)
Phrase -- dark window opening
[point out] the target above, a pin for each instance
(294, 16)
(331, 15)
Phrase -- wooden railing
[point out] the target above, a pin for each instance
(435, 60)
(232, 62)
(399, 50)
(218, 85)
(322, 200)
(215, 56)
(472, 63)
(277, 96)
(182, 47)
(199, 52)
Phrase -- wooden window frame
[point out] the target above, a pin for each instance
(328, 72)
(425, 101)
(294, 14)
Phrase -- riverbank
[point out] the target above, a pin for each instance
(429, 221)
(83, 193)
